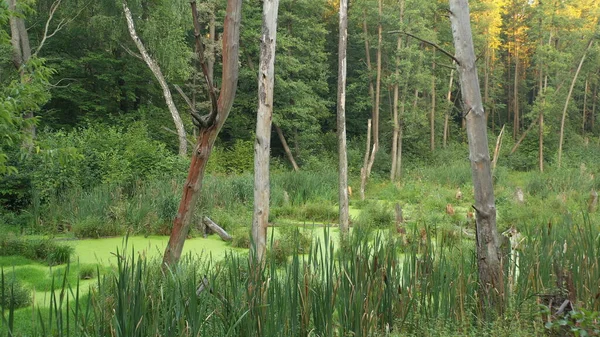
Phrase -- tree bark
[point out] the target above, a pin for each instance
(396, 132)
(564, 114)
(363, 170)
(488, 244)
(377, 86)
(585, 91)
(206, 221)
(209, 126)
(262, 144)
(432, 114)
(447, 115)
(516, 126)
(341, 119)
(286, 148)
(155, 68)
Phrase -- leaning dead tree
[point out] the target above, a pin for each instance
(208, 125)
(155, 68)
(488, 242)
(262, 143)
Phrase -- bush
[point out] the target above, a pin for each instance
(241, 238)
(13, 294)
(375, 215)
(294, 238)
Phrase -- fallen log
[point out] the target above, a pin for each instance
(216, 228)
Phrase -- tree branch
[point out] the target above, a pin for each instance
(434, 45)
(210, 119)
(59, 27)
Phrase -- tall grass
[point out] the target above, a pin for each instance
(374, 284)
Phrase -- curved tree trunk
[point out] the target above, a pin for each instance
(154, 67)
(262, 144)
(286, 148)
(564, 113)
(209, 126)
(488, 244)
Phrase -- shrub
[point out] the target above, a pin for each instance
(13, 294)
(241, 238)
(87, 272)
(294, 238)
(375, 215)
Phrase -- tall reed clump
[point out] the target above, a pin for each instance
(372, 285)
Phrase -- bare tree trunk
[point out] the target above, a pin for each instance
(396, 132)
(564, 114)
(363, 170)
(209, 125)
(447, 115)
(488, 244)
(541, 136)
(341, 118)
(286, 148)
(594, 98)
(432, 114)
(584, 106)
(262, 145)
(154, 67)
(516, 126)
(377, 94)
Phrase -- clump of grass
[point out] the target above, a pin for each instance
(93, 227)
(375, 215)
(13, 294)
(241, 238)
(43, 250)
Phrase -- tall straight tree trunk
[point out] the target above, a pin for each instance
(516, 94)
(377, 92)
(564, 113)
(432, 114)
(585, 91)
(396, 132)
(594, 100)
(209, 125)
(488, 244)
(154, 67)
(262, 144)
(341, 118)
(447, 115)
(286, 148)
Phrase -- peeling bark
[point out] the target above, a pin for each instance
(210, 125)
(488, 244)
(262, 144)
(341, 119)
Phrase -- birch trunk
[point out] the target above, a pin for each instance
(488, 244)
(210, 125)
(341, 119)
(262, 144)
(154, 67)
